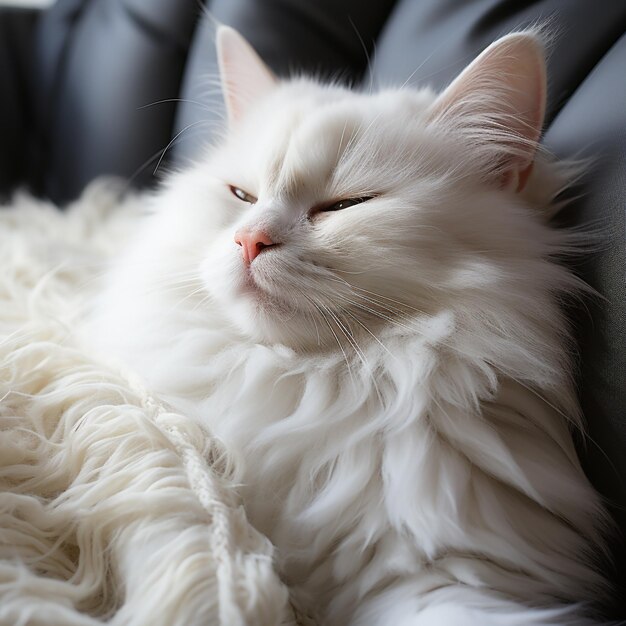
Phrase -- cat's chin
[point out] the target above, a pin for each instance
(261, 313)
(266, 318)
(267, 321)
(260, 305)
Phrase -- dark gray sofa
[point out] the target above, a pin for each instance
(94, 87)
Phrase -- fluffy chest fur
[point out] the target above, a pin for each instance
(418, 459)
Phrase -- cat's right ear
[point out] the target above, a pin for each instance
(499, 103)
(245, 77)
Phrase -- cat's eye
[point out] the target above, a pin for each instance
(345, 204)
(244, 196)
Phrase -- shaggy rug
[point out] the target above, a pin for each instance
(113, 508)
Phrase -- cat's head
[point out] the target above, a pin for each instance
(326, 213)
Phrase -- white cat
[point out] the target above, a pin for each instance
(358, 294)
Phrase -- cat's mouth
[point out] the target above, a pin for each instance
(276, 284)
(259, 284)
(256, 285)
(250, 283)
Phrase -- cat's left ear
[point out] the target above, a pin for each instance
(499, 103)
(245, 77)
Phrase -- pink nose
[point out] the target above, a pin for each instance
(252, 243)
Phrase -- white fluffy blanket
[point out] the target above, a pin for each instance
(113, 509)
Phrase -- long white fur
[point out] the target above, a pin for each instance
(395, 380)
(108, 510)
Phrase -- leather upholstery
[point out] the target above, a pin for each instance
(95, 64)
(16, 34)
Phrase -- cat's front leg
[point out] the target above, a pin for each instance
(458, 606)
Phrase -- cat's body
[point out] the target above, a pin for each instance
(391, 375)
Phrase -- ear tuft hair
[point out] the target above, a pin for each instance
(245, 77)
(498, 103)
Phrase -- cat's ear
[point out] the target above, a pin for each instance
(499, 103)
(245, 78)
